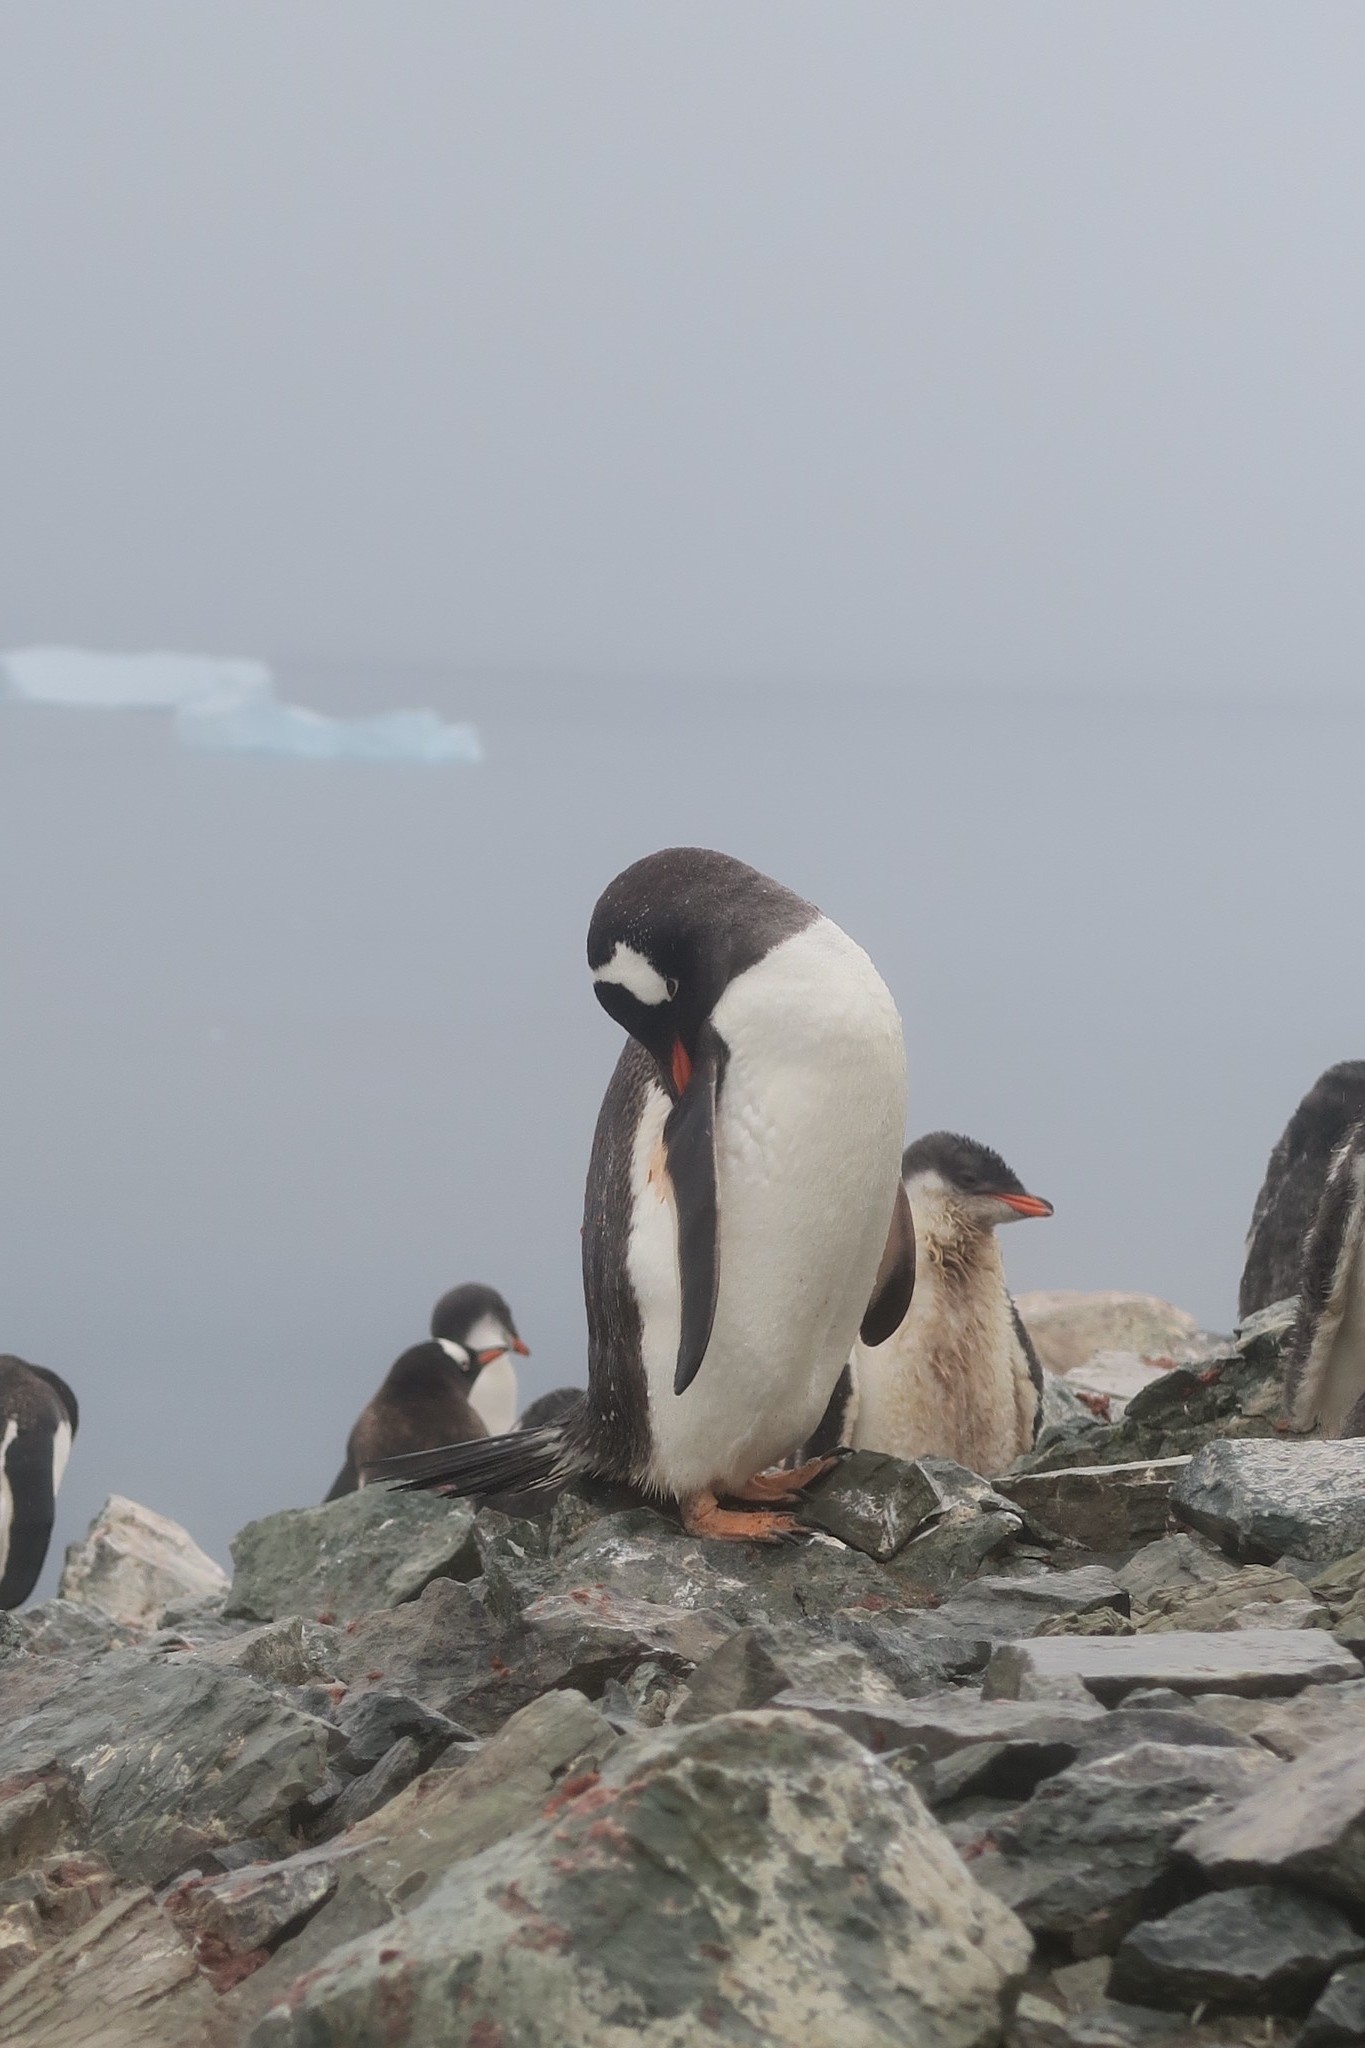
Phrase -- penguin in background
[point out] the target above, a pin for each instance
(1325, 1383)
(744, 1213)
(38, 1420)
(960, 1377)
(434, 1393)
(1294, 1184)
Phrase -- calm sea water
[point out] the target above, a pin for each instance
(286, 1050)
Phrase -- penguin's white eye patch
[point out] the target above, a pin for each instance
(631, 971)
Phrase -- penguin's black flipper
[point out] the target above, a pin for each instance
(895, 1282)
(487, 1464)
(1035, 1364)
(28, 1476)
(690, 1149)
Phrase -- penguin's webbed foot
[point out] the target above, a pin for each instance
(779, 1485)
(703, 1515)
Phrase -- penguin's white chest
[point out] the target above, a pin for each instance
(809, 1129)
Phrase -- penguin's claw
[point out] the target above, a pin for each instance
(703, 1515)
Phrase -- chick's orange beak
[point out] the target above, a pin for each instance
(682, 1065)
(522, 1350)
(1027, 1205)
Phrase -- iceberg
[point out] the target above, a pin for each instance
(226, 724)
(228, 707)
(121, 682)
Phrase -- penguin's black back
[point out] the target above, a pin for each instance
(423, 1403)
(34, 1404)
(1293, 1186)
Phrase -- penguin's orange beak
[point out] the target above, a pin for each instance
(487, 1357)
(1026, 1205)
(682, 1065)
(522, 1350)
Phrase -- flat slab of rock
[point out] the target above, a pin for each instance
(1310, 1830)
(374, 1548)
(1101, 1507)
(133, 1563)
(1112, 1378)
(943, 1725)
(1248, 1661)
(1258, 1947)
(1068, 1327)
(1338, 2018)
(872, 1502)
(756, 1878)
(1002, 1608)
(1265, 1500)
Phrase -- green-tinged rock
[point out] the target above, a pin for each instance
(759, 1880)
(1106, 1507)
(872, 1502)
(374, 1548)
(1259, 1502)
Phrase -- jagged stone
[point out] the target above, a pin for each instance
(373, 1721)
(1309, 1831)
(1254, 1661)
(1082, 1860)
(756, 1876)
(1174, 1564)
(132, 1563)
(374, 1548)
(1107, 1508)
(1257, 1947)
(1068, 1327)
(399, 1765)
(1257, 1596)
(1112, 1378)
(1263, 1501)
(40, 1810)
(946, 1556)
(293, 1651)
(127, 1979)
(1233, 1393)
(172, 1758)
(64, 1890)
(1002, 1609)
(20, 1938)
(755, 1664)
(1338, 2018)
(234, 1921)
(872, 1502)
(599, 1635)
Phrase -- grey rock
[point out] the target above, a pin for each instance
(174, 1758)
(514, 1562)
(132, 1563)
(756, 1664)
(64, 1628)
(1105, 2024)
(753, 1878)
(289, 1652)
(126, 1979)
(373, 1721)
(1258, 1947)
(1107, 1508)
(235, 1920)
(40, 1812)
(1264, 1338)
(1083, 1859)
(374, 1548)
(1230, 1394)
(399, 1765)
(1338, 2018)
(917, 1652)
(947, 1723)
(1263, 1500)
(1321, 1713)
(946, 1556)
(1257, 1596)
(1112, 1378)
(1004, 1608)
(1068, 1327)
(1309, 1831)
(1175, 1564)
(1248, 1661)
(594, 1635)
(872, 1502)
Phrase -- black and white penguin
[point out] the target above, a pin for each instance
(1293, 1186)
(38, 1419)
(960, 1377)
(475, 1320)
(434, 1393)
(1325, 1383)
(744, 1210)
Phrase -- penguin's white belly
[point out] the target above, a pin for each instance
(493, 1396)
(808, 1138)
(953, 1381)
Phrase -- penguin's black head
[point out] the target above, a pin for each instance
(669, 935)
(972, 1175)
(476, 1321)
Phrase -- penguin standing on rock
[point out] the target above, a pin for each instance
(434, 1393)
(960, 1378)
(1295, 1179)
(38, 1419)
(744, 1211)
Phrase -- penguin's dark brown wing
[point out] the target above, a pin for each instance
(690, 1149)
(895, 1282)
(1035, 1364)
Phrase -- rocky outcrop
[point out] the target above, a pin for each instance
(1069, 1328)
(132, 1564)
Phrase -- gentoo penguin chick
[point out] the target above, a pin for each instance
(1325, 1384)
(744, 1211)
(38, 1419)
(959, 1378)
(476, 1320)
(434, 1394)
(1294, 1183)
(551, 1407)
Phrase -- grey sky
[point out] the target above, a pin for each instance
(986, 342)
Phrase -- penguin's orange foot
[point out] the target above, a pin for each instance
(702, 1515)
(778, 1485)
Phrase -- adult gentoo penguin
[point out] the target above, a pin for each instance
(434, 1393)
(744, 1211)
(1325, 1384)
(959, 1378)
(1293, 1186)
(38, 1419)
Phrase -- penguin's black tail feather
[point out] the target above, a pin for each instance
(519, 1463)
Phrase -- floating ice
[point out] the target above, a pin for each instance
(227, 724)
(117, 682)
(228, 707)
